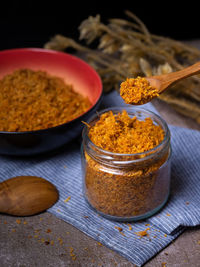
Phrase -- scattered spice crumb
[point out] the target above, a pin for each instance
(47, 243)
(65, 166)
(67, 233)
(86, 217)
(154, 236)
(5, 222)
(58, 210)
(168, 214)
(36, 230)
(29, 236)
(147, 224)
(99, 244)
(143, 233)
(122, 233)
(86, 248)
(48, 231)
(13, 230)
(25, 222)
(18, 221)
(36, 236)
(52, 242)
(41, 219)
(119, 228)
(60, 240)
(187, 202)
(166, 254)
(198, 242)
(129, 227)
(165, 235)
(42, 240)
(67, 199)
(73, 256)
(163, 264)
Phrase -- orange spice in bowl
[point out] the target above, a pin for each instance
(126, 163)
(34, 100)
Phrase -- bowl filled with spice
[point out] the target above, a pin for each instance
(44, 96)
(126, 162)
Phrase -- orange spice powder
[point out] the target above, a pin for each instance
(34, 100)
(119, 133)
(137, 91)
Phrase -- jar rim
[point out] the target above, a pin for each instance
(134, 112)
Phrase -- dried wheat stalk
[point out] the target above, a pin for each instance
(127, 49)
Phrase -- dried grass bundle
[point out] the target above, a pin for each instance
(127, 49)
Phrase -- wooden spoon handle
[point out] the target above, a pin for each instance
(173, 77)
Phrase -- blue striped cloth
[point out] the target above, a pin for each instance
(64, 170)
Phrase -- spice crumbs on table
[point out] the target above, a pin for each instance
(147, 224)
(48, 231)
(18, 221)
(99, 244)
(165, 235)
(168, 214)
(86, 217)
(25, 222)
(67, 233)
(60, 240)
(119, 228)
(47, 243)
(29, 236)
(163, 264)
(129, 227)
(198, 242)
(65, 166)
(187, 202)
(73, 256)
(166, 253)
(5, 222)
(143, 233)
(67, 199)
(13, 230)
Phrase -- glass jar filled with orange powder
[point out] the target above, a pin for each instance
(126, 162)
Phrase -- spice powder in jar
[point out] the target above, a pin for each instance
(126, 158)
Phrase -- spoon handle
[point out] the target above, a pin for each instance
(173, 77)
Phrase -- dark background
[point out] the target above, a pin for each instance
(32, 23)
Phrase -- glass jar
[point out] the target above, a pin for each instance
(127, 187)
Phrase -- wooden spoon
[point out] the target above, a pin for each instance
(26, 195)
(162, 82)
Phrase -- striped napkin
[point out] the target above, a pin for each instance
(182, 209)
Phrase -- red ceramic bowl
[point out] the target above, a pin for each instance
(74, 71)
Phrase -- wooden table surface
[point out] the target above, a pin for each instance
(44, 240)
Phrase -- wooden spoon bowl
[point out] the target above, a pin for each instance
(26, 195)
